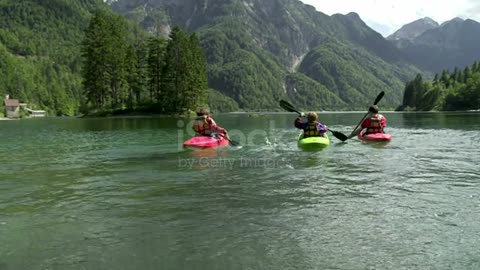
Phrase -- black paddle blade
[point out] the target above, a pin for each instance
(234, 143)
(342, 137)
(379, 97)
(287, 106)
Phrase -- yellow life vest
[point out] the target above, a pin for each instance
(311, 130)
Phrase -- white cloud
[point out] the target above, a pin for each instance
(393, 14)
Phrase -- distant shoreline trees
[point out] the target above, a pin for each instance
(125, 72)
(449, 91)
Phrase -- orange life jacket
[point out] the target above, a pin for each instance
(375, 124)
(203, 125)
(311, 130)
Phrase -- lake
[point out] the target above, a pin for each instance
(122, 193)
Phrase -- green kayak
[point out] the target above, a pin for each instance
(313, 143)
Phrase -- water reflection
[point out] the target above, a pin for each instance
(436, 120)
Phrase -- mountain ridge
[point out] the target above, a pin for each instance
(444, 46)
(413, 29)
(278, 35)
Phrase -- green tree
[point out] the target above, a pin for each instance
(476, 67)
(94, 50)
(435, 79)
(155, 62)
(470, 94)
(445, 78)
(467, 73)
(107, 60)
(414, 91)
(196, 92)
(184, 81)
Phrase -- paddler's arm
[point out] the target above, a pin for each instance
(364, 125)
(299, 123)
(322, 128)
(383, 121)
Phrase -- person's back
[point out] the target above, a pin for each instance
(311, 128)
(204, 125)
(375, 122)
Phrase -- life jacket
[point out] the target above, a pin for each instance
(203, 125)
(375, 124)
(311, 130)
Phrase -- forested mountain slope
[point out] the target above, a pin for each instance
(40, 52)
(257, 52)
(254, 48)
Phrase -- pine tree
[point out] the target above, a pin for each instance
(94, 66)
(156, 62)
(476, 67)
(197, 89)
(182, 73)
(467, 73)
(445, 78)
(105, 51)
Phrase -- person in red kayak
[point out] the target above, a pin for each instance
(374, 123)
(311, 127)
(204, 125)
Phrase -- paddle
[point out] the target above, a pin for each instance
(232, 143)
(379, 97)
(289, 107)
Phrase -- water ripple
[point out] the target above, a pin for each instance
(122, 194)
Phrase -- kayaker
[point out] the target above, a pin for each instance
(311, 127)
(374, 123)
(204, 125)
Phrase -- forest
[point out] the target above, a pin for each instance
(448, 91)
(81, 57)
(124, 72)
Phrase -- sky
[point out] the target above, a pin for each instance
(387, 16)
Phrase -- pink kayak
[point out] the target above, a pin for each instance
(205, 141)
(376, 137)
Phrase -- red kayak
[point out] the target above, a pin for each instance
(376, 137)
(205, 141)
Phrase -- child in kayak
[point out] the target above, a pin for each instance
(311, 128)
(204, 125)
(374, 123)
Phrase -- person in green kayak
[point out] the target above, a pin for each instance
(204, 125)
(311, 127)
(374, 123)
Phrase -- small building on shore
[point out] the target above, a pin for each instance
(36, 113)
(12, 107)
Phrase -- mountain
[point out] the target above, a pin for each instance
(383, 29)
(261, 51)
(257, 52)
(452, 44)
(40, 52)
(414, 29)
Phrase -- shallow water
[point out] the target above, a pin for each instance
(123, 194)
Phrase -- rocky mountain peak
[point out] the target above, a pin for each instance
(455, 20)
(414, 29)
